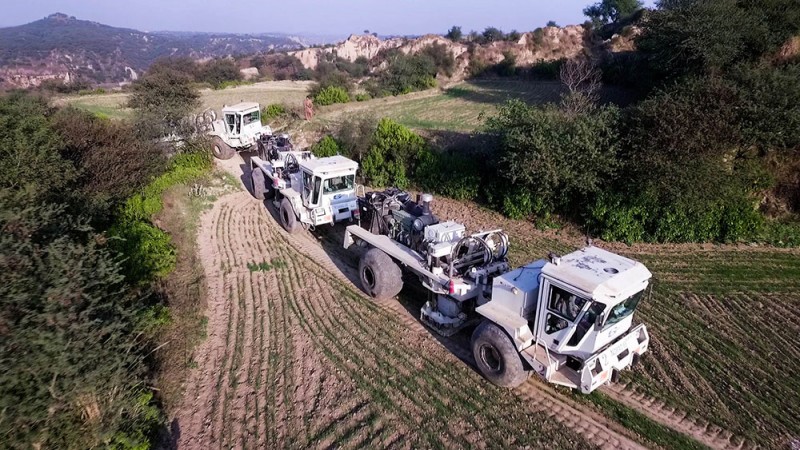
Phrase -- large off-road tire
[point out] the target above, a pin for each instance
(221, 150)
(496, 357)
(287, 217)
(380, 277)
(257, 180)
(269, 194)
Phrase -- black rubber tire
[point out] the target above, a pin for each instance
(221, 150)
(269, 194)
(380, 277)
(496, 357)
(257, 183)
(288, 218)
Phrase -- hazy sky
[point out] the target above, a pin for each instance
(308, 16)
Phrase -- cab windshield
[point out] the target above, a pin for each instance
(624, 309)
(254, 116)
(338, 184)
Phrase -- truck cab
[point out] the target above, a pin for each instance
(307, 190)
(571, 318)
(240, 125)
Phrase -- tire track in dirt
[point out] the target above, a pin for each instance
(378, 390)
(594, 427)
(249, 388)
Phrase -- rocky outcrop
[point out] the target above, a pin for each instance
(544, 44)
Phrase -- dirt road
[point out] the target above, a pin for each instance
(297, 357)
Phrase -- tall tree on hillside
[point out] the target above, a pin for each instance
(161, 100)
(607, 11)
(454, 34)
(492, 34)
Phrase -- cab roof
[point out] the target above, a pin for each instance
(604, 275)
(330, 164)
(241, 107)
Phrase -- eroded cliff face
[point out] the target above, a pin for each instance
(545, 44)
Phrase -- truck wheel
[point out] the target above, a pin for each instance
(496, 357)
(257, 178)
(288, 218)
(270, 192)
(221, 150)
(380, 276)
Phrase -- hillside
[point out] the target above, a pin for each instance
(63, 47)
(543, 44)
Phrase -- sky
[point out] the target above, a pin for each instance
(322, 17)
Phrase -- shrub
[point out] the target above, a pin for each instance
(558, 160)
(454, 34)
(492, 34)
(219, 71)
(407, 73)
(161, 100)
(363, 97)
(273, 111)
(508, 66)
(327, 146)
(355, 135)
(331, 95)
(393, 156)
(450, 174)
(442, 58)
(547, 70)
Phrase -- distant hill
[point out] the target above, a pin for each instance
(61, 46)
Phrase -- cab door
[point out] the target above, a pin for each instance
(559, 309)
(311, 190)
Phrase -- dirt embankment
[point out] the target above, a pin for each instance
(544, 44)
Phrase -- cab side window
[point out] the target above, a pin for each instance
(565, 304)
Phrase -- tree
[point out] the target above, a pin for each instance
(607, 11)
(709, 37)
(219, 71)
(454, 34)
(492, 34)
(552, 23)
(551, 161)
(161, 100)
(583, 80)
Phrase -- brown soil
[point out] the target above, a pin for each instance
(296, 356)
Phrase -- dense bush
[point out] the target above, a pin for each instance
(218, 72)
(690, 173)
(331, 95)
(162, 100)
(327, 146)
(442, 58)
(280, 66)
(405, 74)
(393, 156)
(454, 34)
(546, 70)
(552, 161)
(453, 175)
(273, 111)
(355, 135)
(686, 37)
(74, 328)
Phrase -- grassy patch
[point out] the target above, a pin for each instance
(640, 424)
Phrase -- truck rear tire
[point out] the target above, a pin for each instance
(257, 179)
(380, 277)
(269, 194)
(496, 357)
(221, 150)
(288, 218)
